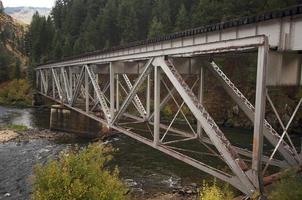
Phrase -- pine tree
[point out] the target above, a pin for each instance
(162, 12)
(128, 21)
(109, 23)
(17, 74)
(182, 19)
(57, 14)
(144, 16)
(207, 12)
(57, 52)
(156, 28)
(76, 17)
(67, 47)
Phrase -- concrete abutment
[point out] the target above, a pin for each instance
(65, 119)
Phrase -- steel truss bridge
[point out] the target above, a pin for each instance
(126, 88)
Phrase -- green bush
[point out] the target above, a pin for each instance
(16, 93)
(78, 175)
(214, 192)
(167, 111)
(288, 188)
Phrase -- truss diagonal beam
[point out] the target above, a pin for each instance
(66, 84)
(283, 127)
(272, 136)
(164, 101)
(236, 164)
(57, 83)
(133, 91)
(137, 100)
(283, 134)
(125, 91)
(78, 86)
(44, 81)
(99, 94)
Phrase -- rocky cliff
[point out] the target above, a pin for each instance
(11, 42)
(24, 14)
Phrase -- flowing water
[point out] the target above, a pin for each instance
(144, 169)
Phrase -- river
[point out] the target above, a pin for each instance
(145, 170)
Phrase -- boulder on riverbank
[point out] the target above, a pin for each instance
(7, 135)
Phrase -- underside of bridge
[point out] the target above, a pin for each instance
(127, 89)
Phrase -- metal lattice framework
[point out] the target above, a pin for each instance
(117, 92)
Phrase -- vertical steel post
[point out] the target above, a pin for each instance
(53, 86)
(112, 90)
(46, 81)
(200, 97)
(87, 91)
(37, 79)
(41, 80)
(259, 117)
(70, 82)
(117, 103)
(148, 97)
(97, 81)
(156, 105)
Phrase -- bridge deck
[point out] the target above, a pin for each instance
(282, 27)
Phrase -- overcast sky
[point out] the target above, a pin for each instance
(28, 3)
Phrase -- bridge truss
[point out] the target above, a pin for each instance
(126, 92)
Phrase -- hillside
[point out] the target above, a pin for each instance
(24, 14)
(12, 56)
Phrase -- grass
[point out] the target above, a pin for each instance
(287, 188)
(15, 127)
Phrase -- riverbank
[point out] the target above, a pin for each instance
(11, 138)
(9, 135)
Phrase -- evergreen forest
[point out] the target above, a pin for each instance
(80, 26)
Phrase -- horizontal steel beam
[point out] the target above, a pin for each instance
(193, 49)
(283, 33)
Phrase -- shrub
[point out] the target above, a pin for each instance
(78, 175)
(288, 188)
(167, 111)
(214, 192)
(16, 92)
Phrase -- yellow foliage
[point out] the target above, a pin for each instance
(214, 192)
(79, 175)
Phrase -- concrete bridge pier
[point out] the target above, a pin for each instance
(65, 119)
(38, 100)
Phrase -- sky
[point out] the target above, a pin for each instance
(28, 3)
